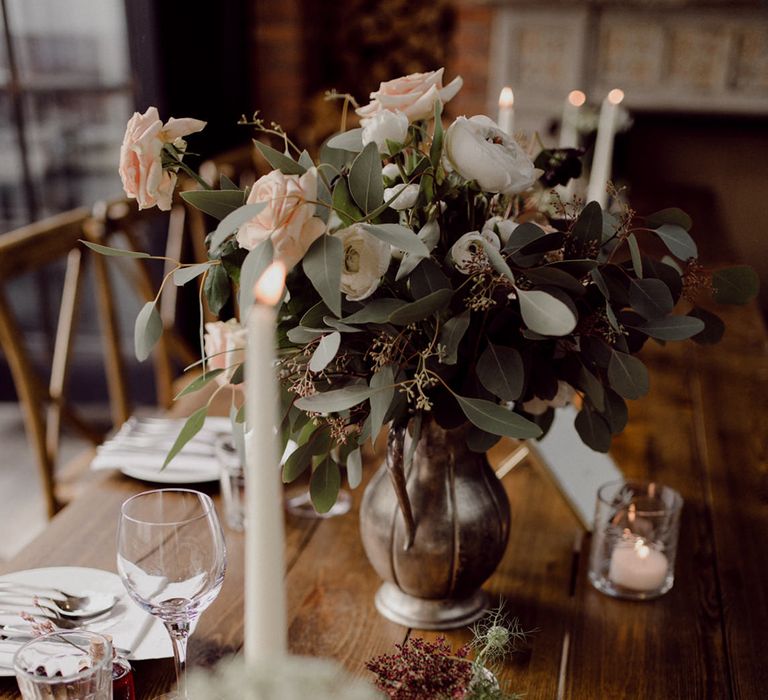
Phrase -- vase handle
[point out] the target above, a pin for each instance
(396, 469)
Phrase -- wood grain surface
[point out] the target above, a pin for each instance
(702, 430)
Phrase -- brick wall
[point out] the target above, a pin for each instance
(469, 57)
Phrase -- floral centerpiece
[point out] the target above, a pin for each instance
(435, 278)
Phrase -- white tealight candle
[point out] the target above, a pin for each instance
(265, 606)
(637, 566)
(601, 160)
(506, 118)
(569, 133)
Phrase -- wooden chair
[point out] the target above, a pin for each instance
(43, 401)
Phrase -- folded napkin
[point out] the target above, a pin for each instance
(146, 447)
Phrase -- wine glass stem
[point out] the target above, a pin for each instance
(179, 632)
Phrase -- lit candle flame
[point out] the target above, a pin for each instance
(268, 290)
(615, 96)
(631, 514)
(506, 98)
(642, 549)
(577, 98)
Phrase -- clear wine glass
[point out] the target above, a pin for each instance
(171, 558)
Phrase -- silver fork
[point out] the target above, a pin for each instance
(65, 601)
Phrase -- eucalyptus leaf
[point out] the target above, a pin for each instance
(557, 278)
(234, 220)
(254, 265)
(285, 164)
(365, 180)
(354, 468)
(114, 252)
(351, 140)
(147, 331)
(216, 203)
(426, 279)
(588, 228)
(500, 370)
(322, 264)
(592, 387)
(674, 216)
(297, 463)
(615, 411)
(422, 308)
(651, 298)
(217, 288)
(301, 335)
(376, 311)
(628, 376)
(199, 382)
(186, 274)
(325, 352)
(383, 383)
(343, 204)
(522, 236)
(451, 333)
(593, 430)
(497, 260)
(735, 285)
(335, 400)
(492, 418)
(324, 485)
(599, 281)
(634, 251)
(226, 184)
(672, 327)
(678, 241)
(190, 428)
(399, 237)
(331, 322)
(306, 160)
(545, 314)
(714, 328)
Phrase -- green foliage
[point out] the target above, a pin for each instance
(365, 181)
(735, 285)
(147, 331)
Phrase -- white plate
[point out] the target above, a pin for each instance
(169, 475)
(128, 625)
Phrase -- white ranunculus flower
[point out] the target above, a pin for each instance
(390, 172)
(564, 396)
(366, 259)
(385, 126)
(478, 150)
(465, 250)
(503, 227)
(406, 196)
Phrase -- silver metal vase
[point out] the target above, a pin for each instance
(436, 533)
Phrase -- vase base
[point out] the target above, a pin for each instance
(426, 614)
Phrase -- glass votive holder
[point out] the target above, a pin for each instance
(634, 539)
(66, 665)
(232, 477)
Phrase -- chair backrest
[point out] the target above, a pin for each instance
(43, 400)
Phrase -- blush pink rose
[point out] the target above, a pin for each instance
(225, 347)
(289, 217)
(141, 165)
(414, 95)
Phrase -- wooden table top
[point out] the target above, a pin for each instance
(702, 430)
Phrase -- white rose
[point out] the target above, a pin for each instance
(465, 251)
(225, 347)
(406, 196)
(289, 217)
(366, 259)
(414, 95)
(390, 172)
(385, 126)
(478, 150)
(564, 396)
(503, 227)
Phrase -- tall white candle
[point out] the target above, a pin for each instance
(601, 161)
(569, 134)
(506, 120)
(637, 566)
(265, 608)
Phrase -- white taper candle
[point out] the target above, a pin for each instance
(506, 119)
(601, 161)
(266, 633)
